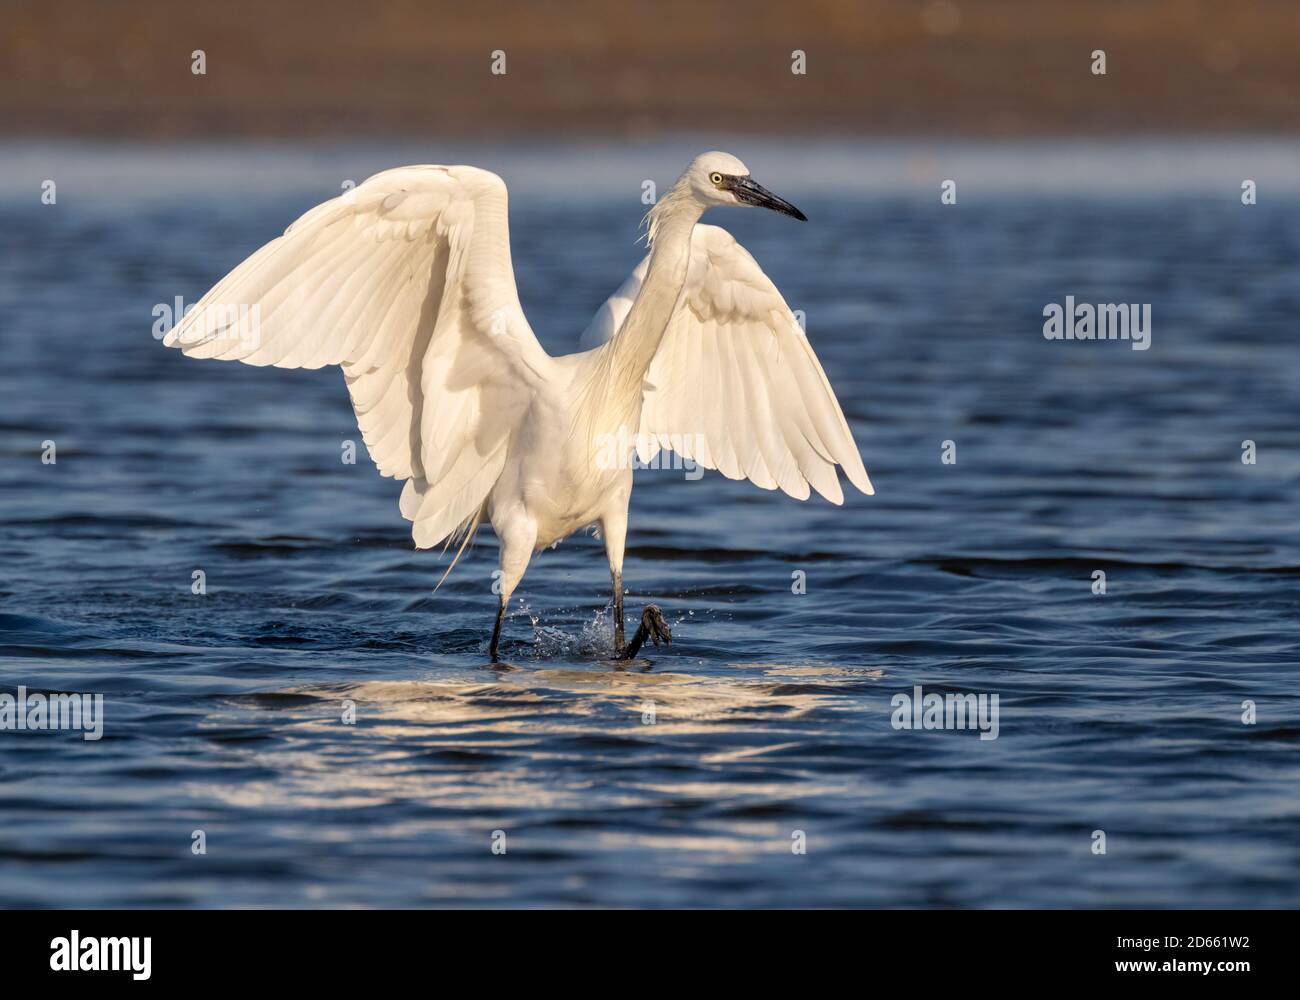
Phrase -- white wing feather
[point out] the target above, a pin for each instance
(406, 282)
(735, 385)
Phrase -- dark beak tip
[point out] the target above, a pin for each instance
(750, 192)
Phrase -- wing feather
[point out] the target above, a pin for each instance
(735, 385)
(406, 282)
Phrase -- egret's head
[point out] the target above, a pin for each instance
(721, 179)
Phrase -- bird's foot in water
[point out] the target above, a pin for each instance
(653, 626)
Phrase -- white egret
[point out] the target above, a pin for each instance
(406, 283)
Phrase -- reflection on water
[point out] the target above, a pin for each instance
(685, 779)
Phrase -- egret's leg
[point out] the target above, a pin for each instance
(653, 626)
(517, 536)
(618, 611)
(614, 528)
(496, 629)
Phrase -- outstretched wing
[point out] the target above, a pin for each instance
(735, 385)
(406, 282)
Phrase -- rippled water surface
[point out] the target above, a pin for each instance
(1120, 713)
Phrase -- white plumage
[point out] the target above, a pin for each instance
(406, 282)
(735, 385)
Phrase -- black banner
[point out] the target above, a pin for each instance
(932, 949)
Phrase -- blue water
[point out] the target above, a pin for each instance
(1119, 712)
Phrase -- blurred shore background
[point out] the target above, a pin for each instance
(979, 68)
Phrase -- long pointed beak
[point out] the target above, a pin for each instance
(750, 192)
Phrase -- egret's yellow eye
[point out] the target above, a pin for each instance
(716, 178)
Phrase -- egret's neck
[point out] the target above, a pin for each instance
(634, 346)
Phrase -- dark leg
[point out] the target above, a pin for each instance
(496, 631)
(618, 614)
(653, 627)
(614, 527)
(517, 535)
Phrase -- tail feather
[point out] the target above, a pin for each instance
(466, 533)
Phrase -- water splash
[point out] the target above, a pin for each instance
(594, 639)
